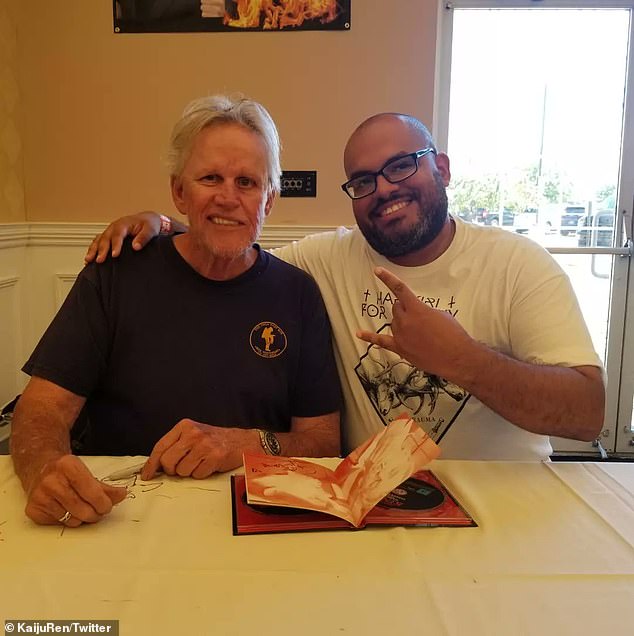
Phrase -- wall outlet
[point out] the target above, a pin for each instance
(299, 183)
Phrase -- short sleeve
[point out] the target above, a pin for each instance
(546, 324)
(314, 253)
(72, 353)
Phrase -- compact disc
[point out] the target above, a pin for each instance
(413, 494)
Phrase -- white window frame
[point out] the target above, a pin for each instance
(616, 437)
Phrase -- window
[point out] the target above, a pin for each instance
(534, 111)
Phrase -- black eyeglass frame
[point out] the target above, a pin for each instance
(414, 155)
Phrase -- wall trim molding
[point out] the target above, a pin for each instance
(13, 235)
(81, 234)
(278, 235)
(63, 234)
(47, 234)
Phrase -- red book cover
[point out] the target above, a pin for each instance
(421, 500)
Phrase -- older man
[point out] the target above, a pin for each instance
(486, 347)
(203, 326)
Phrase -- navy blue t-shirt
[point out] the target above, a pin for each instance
(149, 341)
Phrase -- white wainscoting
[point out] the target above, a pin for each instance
(38, 265)
(10, 333)
(63, 284)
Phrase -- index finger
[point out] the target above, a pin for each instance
(91, 252)
(100, 246)
(397, 286)
(112, 239)
(154, 461)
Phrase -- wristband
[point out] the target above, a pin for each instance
(166, 225)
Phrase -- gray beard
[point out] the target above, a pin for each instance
(219, 250)
(432, 217)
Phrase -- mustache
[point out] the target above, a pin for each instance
(396, 196)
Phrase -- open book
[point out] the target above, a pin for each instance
(375, 484)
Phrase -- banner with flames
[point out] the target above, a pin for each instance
(180, 16)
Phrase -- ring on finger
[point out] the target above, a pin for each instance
(65, 517)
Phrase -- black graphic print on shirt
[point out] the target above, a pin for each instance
(395, 387)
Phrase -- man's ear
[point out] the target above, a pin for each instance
(442, 163)
(176, 186)
(270, 199)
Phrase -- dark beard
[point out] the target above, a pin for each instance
(432, 217)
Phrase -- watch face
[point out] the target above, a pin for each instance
(272, 443)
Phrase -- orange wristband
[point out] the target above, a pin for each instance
(166, 225)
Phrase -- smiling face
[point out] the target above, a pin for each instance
(399, 220)
(223, 190)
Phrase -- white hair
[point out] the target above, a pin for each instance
(222, 109)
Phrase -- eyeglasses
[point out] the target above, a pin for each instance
(395, 170)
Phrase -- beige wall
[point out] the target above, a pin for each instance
(98, 106)
(11, 168)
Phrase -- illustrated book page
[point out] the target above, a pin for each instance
(363, 479)
(360, 481)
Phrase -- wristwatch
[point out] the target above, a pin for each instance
(269, 442)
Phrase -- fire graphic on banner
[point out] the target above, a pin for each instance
(278, 14)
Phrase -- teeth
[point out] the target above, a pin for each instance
(394, 208)
(220, 221)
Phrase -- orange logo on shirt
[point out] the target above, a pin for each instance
(267, 340)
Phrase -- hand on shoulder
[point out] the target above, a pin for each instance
(142, 227)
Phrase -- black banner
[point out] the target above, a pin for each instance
(183, 16)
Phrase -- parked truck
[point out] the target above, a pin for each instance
(560, 217)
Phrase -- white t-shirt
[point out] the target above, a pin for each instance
(505, 290)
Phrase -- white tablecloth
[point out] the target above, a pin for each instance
(553, 554)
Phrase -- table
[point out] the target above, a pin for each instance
(553, 554)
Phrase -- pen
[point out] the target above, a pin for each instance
(124, 473)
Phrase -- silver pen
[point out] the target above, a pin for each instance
(125, 473)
